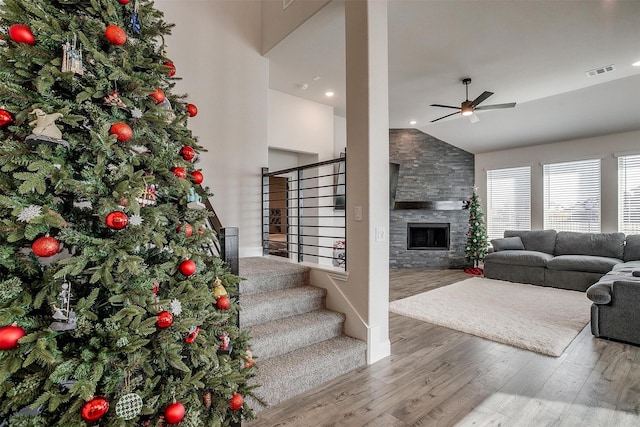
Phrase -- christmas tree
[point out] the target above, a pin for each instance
(476, 247)
(113, 309)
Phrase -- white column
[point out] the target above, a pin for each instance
(368, 169)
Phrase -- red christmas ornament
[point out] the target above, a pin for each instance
(172, 68)
(174, 413)
(188, 229)
(6, 118)
(197, 177)
(179, 172)
(223, 302)
(192, 335)
(115, 35)
(165, 319)
(235, 402)
(158, 95)
(9, 336)
(21, 34)
(187, 153)
(122, 131)
(192, 110)
(116, 220)
(95, 409)
(45, 246)
(123, 1)
(187, 267)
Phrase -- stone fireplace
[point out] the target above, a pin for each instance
(431, 183)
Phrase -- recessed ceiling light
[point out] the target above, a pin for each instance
(412, 122)
(329, 93)
(636, 64)
(316, 78)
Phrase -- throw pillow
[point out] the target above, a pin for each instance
(507, 244)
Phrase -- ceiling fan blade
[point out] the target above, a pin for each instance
(481, 98)
(496, 106)
(444, 117)
(445, 106)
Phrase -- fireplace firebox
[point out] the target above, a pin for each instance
(427, 236)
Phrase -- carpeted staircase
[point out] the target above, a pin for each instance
(298, 344)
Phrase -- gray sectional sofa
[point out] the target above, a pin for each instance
(605, 265)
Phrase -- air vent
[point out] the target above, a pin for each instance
(286, 3)
(602, 70)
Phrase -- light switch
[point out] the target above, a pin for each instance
(357, 213)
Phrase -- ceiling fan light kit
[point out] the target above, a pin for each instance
(467, 108)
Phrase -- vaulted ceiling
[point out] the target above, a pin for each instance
(532, 52)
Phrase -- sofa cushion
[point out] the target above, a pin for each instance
(507, 243)
(587, 263)
(595, 244)
(629, 266)
(537, 240)
(519, 258)
(600, 293)
(632, 248)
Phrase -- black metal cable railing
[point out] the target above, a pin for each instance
(303, 212)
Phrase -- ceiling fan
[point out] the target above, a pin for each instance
(468, 107)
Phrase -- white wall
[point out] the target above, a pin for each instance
(604, 147)
(215, 47)
(339, 135)
(277, 22)
(299, 125)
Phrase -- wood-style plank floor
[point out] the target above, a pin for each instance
(439, 377)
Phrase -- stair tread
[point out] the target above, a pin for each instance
(280, 294)
(268, 266)
(262, 308)
(284, 335)
(285, 376)
(294, 322)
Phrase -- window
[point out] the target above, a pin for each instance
(508, 200)
(629, 194)
(572, 196)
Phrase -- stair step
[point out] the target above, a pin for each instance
(284, 335)
(266, 274)
(267, 307)
(285, 376)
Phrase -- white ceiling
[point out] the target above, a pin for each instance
(533, 52)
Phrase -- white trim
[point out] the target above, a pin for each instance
(617, 154)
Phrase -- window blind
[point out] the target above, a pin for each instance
(572, 196)
(508, 200)
(629, 194)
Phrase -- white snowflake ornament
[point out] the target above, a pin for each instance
(135, 220)
(29, 213)
(136, 113)
(176, 307)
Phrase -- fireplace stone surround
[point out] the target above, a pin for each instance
(437, 179)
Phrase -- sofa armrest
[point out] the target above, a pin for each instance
(599, 293)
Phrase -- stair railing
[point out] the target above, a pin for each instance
(303, 212)
(227, 244)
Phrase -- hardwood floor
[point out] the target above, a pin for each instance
(439, 377)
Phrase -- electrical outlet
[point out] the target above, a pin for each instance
(381, 234)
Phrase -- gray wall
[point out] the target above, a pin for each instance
(430, 170)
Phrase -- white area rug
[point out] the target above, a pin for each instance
(536, 318)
